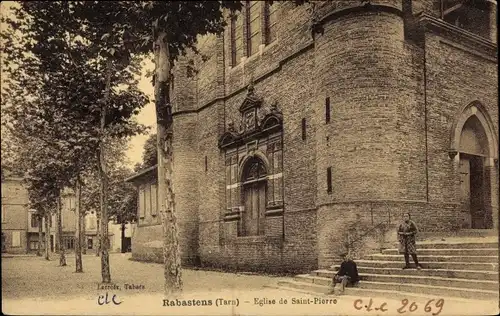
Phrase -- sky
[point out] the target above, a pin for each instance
(147, 116)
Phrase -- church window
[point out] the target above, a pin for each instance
(236, 37)
(304, 129)
(253, 26)
(327, 110)
(329, 188)
(270, 21)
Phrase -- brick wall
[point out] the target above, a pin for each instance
(381, 85)
(455, 78)
(366, 89)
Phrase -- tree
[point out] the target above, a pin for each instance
(39, 217)
(66, 94)
(115, 160)
(150, 152)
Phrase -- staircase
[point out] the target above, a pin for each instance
(460, 268)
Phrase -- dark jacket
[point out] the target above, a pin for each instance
(350, 269)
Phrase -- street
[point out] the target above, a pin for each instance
(32, 285)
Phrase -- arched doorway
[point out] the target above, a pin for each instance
(474, 152)
(254, 181)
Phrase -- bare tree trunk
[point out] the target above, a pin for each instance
(98, 231)
(123, 244)
(104, 244)
(62, 255)
(82, 232)
(56, 232)
(171, 250)
(78, 235)
(47, 236)
(40, 235)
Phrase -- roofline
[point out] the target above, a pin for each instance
(141, 173)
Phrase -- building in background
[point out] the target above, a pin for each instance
(147, 245)
(20, 225)
(91, 241)
(16, 218)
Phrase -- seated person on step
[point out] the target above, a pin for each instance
(347, 274)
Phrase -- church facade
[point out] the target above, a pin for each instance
(303, 130)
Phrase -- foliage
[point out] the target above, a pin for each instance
(122, 204)
(122, 197)
(53, 95)
(150, 152)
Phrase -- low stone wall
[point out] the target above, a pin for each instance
(147, 245)
(292, 250)
(368, 227)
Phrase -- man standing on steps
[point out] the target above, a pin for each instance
(347, 274)
(407, 244)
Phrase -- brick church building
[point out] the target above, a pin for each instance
(302, 126)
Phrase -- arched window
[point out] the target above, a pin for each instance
(254, 170)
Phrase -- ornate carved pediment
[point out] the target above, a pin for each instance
(256, 121)
(228, 138)
(251, 101)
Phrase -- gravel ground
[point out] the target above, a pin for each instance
(33, 286)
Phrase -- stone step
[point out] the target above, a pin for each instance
(449, 252)
(431, 258)
(356, 292)
(475, 266)
(445, 273)
(402, 288)
(362, 293)
(434, 281)
(432, 290)
(410, 279)
(463, 234)
(456, 245)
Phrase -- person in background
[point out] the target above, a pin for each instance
(407, 244)
(347, 274)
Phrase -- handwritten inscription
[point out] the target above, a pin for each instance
(433, 307)
(108, 299)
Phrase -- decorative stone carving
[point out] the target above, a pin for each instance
(231, 128)
(255, 121)
(452, 153)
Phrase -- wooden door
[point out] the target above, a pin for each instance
(477, 193)
(255, 204)
(464, 170)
